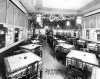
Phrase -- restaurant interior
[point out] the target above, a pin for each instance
(49, 39)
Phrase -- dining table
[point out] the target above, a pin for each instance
(61, 41)
(81, 42)
(19, 61)
(66, 46)
(35, 41)
(92, 46)
(31, 46)
(84, 56)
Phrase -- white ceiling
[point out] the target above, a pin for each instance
(47, 5)
(66, 4)
(29, 4)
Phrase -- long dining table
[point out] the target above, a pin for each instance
(84, 56)
(31, 46)
(66, 46)
(60, 41)
(35, 41)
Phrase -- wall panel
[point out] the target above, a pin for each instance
(13, 17)
(10, 15)
(16, 16)
(92, 24)
(98, 20)
(2, 11)
(92, 21)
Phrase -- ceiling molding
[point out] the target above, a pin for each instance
(36, 6)
(90, 9)
(66, 4)
(93, 12)
(19, 5)
(56, 11)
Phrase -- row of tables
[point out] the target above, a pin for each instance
(31, 46)
(74, 53)
(65, 45)
(16, 62)
(86, 58)
(29, 57)
(82, 55)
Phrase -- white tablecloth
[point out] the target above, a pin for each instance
(84, 56)
(81, 41)
(67, 46)
(35, 41)
(21, 60)
(55, 38)
(91, 46)
(95, 73)
(31, 46)
(61, 41)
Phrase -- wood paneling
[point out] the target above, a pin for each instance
(13, 17)
(19, 17)
(2, 11)
(10, 15)
(98, 20)
(16, 16)
(92, 21)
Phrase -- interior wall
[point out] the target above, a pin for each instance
(13, 17)
(91, 23)
(2, 11)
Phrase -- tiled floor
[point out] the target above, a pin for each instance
(51, 67)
